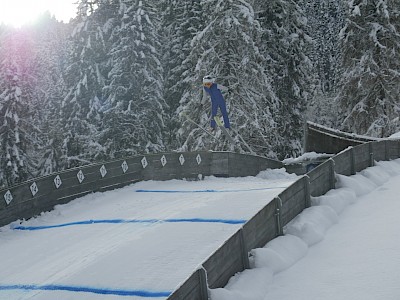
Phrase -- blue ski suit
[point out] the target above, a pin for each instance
(217, 100)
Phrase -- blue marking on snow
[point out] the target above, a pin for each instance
(83, 289)
(200, 220)
(175, 191)
(210, 191)
(122, 221)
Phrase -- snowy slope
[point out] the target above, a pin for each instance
(139, 241)
(345, 246)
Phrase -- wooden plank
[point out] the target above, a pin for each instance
(378, 150)
(250, 165)
(343, 163)
(260, 229)
(362, 158)
(322, 178)
(225, 262)
(294, 200)
(220, 164)
(322, 141)
(393, 149)
(195, 287)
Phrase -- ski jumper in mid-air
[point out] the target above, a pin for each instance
(217, 100)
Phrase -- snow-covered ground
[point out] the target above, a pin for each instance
(395, 136)
(345, 246)
(133, 243)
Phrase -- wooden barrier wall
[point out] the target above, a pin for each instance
(30, 198)
(322, 139)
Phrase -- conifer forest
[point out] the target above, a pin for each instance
(124, 77)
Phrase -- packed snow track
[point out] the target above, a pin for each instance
(137, 242)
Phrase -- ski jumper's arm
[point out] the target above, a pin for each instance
(222, 88)
(205, 97)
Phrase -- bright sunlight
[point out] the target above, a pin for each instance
(19, 12)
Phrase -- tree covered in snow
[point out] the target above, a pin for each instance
(285, 47)
(128, 79)
(181, 21)
(85, 79)
(325, 20)
(370, 79)
(228, 48)
(50, 60)
(17, 108)
(135, 87)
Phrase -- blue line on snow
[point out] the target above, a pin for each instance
(84, 289)
(210, 191)
(199, 220)
(121, 221)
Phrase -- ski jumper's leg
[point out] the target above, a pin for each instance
(214, 109)
(222, 106)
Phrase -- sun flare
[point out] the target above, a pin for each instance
(19, 12)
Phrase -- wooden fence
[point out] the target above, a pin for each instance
(322, 139)
(30, 198)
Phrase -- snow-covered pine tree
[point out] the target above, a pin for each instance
(85, 79)
(228, 48)
(325, 20)
(181, 21)
(17, 133)
(370, 84)
(51, 51)
(285, 45)
(135, 99)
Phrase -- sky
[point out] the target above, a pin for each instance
(127, 243)
(19, 12)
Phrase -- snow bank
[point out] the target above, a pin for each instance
(311, 225)
(279, 254)
(308, 156)
(391, 168)
(376, 174)
(305, 230)
(272, 174)
(251, 284)
(369, 179)
(395, 136)
(358, 183)
(337, 199)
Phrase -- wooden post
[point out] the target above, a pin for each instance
(352, 162)
(278, 222)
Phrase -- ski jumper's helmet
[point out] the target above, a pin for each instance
(208, 79)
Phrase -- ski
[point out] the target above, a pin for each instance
(223, 129)
(197, 125)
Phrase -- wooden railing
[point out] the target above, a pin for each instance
(322, 139)
(30, 198)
